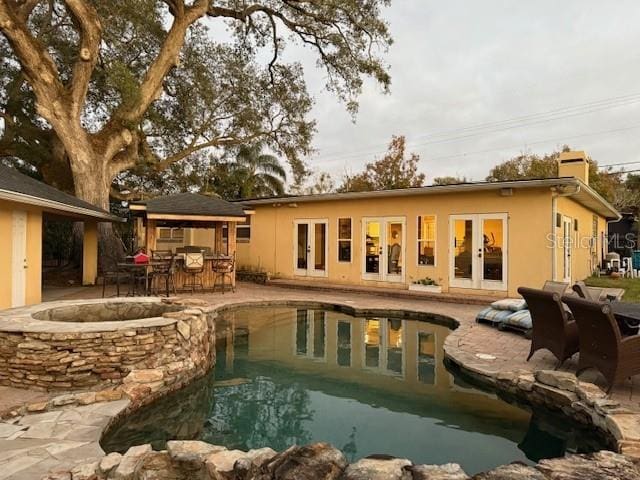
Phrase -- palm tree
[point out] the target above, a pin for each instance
(257, 174)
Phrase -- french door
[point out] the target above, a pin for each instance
(384, 248)
(311, 248)
(19, 258)
(567, 225)
(478, 253)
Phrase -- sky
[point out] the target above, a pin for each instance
(459, 64)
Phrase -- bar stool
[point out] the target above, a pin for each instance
(164, 272)
(194, 268)
(224, 268)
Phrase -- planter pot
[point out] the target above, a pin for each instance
(416, 287)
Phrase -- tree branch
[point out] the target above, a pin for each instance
(86, 19)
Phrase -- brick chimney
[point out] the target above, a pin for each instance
(574, 164)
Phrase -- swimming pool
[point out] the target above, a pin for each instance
(368, 385)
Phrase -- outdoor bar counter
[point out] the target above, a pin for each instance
(181, 277)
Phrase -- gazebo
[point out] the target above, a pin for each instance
(190, 211)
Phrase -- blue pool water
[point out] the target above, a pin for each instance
(365, 384)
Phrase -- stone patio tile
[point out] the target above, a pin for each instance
(37, 470)
(87, 452)
(110, 408)
(7, 429)
(18, 465)
(55, 449)
(40, 417)
(84, 433)
(40, 430)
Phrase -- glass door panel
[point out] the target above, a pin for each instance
(394, 248)
(302, 246)
(492, 258)
(373, 247)
(320, 243)
(463, 248)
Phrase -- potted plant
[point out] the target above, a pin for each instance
(426, 285)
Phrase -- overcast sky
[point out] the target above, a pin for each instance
(461, 63)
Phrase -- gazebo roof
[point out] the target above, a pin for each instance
(17, 187)
(192, 206)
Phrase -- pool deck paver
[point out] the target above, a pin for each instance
(34, 444)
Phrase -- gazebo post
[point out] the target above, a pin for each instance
(90, 253)
(217, 247)
(150, 236)
(231, 246)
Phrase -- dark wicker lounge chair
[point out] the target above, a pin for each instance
(552, 327)
(601, 344)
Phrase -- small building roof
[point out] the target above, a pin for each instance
(21, 188)
(583, 193)
(192, 206)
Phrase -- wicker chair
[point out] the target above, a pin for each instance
(602, 346)
(552, 328)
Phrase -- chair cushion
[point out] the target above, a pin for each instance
(520, 319)
(492, 315)
(511, 304)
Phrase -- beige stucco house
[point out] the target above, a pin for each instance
(24, 202)
(489, 237)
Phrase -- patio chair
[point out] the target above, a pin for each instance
(224, 268)
(193, 267)
(557, 287)
(111, 273)
(602, 346)
(552, 327)
(592, 294)
(164, 273)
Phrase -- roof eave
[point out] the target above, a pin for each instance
(58, 206)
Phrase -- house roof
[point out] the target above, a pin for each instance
(21, 188)
(583, 194)
(190, 205)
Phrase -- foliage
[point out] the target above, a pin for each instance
(623, 194)
(392, 171)
(426, 281)
(255, 174)
(450, 180)
(90, 89)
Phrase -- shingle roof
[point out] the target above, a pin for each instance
(11, 180)
(194, 204)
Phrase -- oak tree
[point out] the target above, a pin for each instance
(89, 89)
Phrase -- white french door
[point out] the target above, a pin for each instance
(478, 253)
(311, 248)
(383, 241)
(19, 258)
(567, 223)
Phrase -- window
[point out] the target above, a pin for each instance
(243, 230)
(427, 240)
(344, 239)
(171, 234)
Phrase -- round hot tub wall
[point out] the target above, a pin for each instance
(139, 346)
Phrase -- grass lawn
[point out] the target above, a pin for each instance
(631, 286)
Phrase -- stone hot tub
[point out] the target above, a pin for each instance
(143, 347)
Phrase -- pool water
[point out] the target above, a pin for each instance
(367, 385)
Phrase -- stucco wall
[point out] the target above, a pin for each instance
(529, 225)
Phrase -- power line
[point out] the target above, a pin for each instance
(617, 164)
(537, 142)
(516, 122)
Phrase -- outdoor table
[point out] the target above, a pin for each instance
(147, 267)
(627, 315)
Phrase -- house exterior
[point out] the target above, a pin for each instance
(24, 202)
(480, 238)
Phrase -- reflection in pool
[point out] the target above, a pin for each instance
(367, 385)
